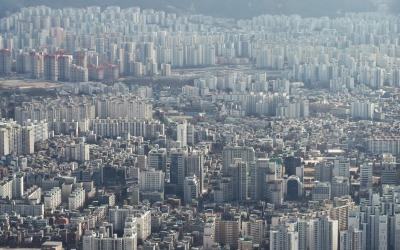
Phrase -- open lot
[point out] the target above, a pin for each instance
(26, 84)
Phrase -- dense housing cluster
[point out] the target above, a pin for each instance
(177, 131)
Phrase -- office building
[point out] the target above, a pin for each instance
(294, 188)
(177, 168)
(151, 180)
(195, 166)
(366, 171)
(340, 186)
(321, 191)
(389, 174)
(158, 159)
(341, 167)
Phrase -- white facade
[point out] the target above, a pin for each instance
(78, 152)
(321, 191)
(76, 199)
(209, 234)
(92, 241)
(117, 216)
(40, 129)
(143, 219)
(6, 189)
(52, 198)
(15, 138)
(151, 180)
(284, 237)
(363, 110)
(181, 130)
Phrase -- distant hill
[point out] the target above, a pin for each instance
(219, 8)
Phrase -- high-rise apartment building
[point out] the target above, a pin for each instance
(64, 68)
(227, 231)
(50, 67)
(5, 62)
(15, 138)
(284, 236)
(324, 234)
(37, 65)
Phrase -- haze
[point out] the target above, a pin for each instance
(219, 8)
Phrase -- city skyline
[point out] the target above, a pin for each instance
(143, 128)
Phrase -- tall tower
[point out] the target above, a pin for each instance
(366, 176)
(195, 166)
(177, 169)
(239, 171)
(181, 130)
